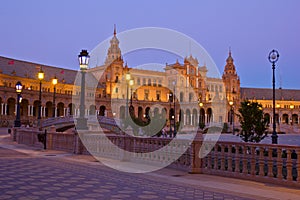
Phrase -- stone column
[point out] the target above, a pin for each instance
(31, 110)
(44, 110)
(5, 110)
(28, 112)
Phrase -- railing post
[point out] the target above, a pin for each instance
(289, 165)
(279, 164)
(270, 162)
(261, 162)
(237, 160)
(222, 157)
(229, 157)
(298, 165)
(196, 162)
(245, 159)
(253, 161)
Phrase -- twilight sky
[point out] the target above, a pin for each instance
(53, 32)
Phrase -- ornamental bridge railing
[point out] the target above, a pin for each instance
(260, 162)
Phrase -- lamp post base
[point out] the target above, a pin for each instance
(81, 124)
(274, 138)
(17, 123)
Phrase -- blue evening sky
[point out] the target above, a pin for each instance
(53, 32)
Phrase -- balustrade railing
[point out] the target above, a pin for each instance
(259, 162)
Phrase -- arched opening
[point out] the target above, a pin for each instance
(202, 116)
(71, 109)
(267, 117)
(48, 109)
(188, 117)
(60, 109)
(102, 110)
(35, 108)
(131, 111)
(24, 107)
(147, 113)
(294, 119)
(140, 112)
(181, 97)
(92, 110)
(285, 118)
(209, 115)
(194, 119)
(11, 103)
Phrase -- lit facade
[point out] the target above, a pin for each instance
(149, 93)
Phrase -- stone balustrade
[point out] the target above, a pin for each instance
(260, 162)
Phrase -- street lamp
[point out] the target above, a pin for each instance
(18, 90)
(170, 115)
(232, 116)
(174, 84)
(54, 82)
(292, 107)
(200, 114)
(41, 78)
(83, 59)
(273, 58)
(131, 82)
(127, 77)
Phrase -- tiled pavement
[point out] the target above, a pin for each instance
(26, 177)
(38, 174)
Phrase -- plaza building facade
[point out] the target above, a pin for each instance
(183, 92)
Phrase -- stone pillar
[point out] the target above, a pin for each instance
(44, 110)
(65, 112)
(31, 110)
(5, 110)
(2, 108)
(28, 110)
(184, 119)
(196, 160)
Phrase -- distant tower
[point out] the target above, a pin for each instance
(114, 52)
(114, 62)
(231, 81)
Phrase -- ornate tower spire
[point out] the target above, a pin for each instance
(114, 51)
(231, 79)
(115, 32)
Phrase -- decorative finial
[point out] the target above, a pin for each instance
(230, 51)
(115, 32)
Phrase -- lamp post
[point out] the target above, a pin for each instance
(273, 58)
(131, 82)
(127, 77)
(170, 115)
(54, 82)
(83, 59)
(18, 90)
(41, 78)
(292, 107)
(200, 114)
(174, 99)
(231, 116)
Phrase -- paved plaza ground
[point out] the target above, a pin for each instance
(31, 173)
